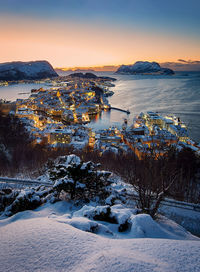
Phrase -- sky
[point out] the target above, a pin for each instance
(71, 33)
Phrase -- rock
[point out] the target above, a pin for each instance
(124, 226)
(101, 213)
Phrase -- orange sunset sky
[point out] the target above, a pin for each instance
(90, 36)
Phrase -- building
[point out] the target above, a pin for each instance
(59, 136)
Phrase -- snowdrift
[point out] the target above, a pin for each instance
(45, 240)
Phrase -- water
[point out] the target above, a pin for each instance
(21, 91)
(178, 94)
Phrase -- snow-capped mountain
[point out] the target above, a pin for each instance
(144, 67)
(26, 70)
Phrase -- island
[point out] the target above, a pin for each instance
(91, 76)
(144, 67)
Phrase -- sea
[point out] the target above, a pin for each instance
(178, 94)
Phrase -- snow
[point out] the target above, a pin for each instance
(189, 219)
(141, 225)
(81, 223)
(80, 185)
(51, 239)
(144, 226)
(73, 160)
(120, 192)
(63, 181)
(90, 212)
(67, 237)
(145, 65)
(121, 213)
(109, 200)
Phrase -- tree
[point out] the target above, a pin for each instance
(81, 180)
(187, 187)
(152, 177)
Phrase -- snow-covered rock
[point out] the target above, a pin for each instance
(116, 214)
(26, 70)
(141, 67)
(15, 201)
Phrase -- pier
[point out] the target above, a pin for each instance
(125, 111)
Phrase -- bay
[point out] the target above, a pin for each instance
(178, 94)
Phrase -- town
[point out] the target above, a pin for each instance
(57, 117)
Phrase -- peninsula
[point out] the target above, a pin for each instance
(31, 70)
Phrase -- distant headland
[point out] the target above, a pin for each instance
(144, 67)
(26, 70)
(90, 76)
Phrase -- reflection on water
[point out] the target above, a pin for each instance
(106, 119)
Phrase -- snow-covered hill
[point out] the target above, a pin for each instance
(26, 70)
(48, 240)
(143, 67)
(98, 228)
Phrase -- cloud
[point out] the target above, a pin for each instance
(194, 62)
(189, 61)
(181, 60)
(183, 65)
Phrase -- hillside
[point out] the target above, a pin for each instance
(85, 221)
(26, 70)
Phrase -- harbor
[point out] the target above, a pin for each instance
(118, 109)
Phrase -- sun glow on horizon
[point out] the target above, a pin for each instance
(73, 44)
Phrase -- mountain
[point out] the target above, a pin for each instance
(26, 70)
(144, 67)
